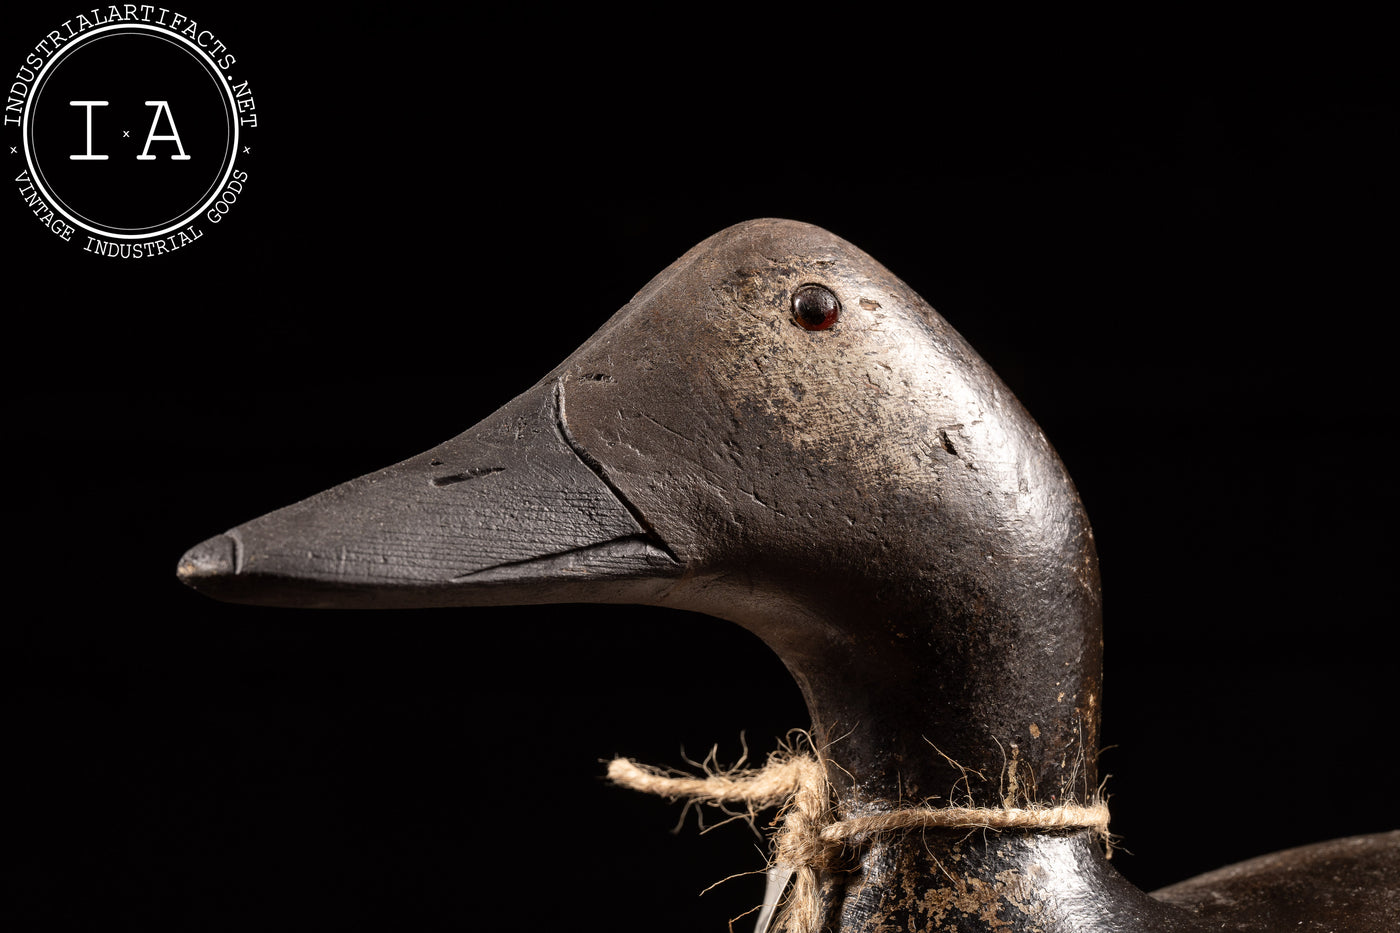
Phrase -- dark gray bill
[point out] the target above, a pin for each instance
(510, 512)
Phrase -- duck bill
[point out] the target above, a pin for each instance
(512, 511)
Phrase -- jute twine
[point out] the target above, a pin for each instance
(811, 839)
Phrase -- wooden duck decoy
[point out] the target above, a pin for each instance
(778, 432)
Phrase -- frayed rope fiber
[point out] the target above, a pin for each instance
(811, 839)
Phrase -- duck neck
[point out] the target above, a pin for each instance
(1004, 713)
(972, 684)
(1005, 718)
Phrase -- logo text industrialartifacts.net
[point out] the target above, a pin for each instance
(125, 126)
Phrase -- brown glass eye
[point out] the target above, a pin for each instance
(815, 307)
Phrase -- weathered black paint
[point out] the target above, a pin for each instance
(870, 500)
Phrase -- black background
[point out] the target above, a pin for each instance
(1173, 257)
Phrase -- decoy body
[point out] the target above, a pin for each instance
(779, 432)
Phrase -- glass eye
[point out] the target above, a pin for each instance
(815, 307)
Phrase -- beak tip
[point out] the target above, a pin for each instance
(209, 560)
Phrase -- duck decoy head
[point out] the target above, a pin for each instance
(777, 431)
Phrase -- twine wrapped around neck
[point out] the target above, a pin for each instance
(811, 839)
